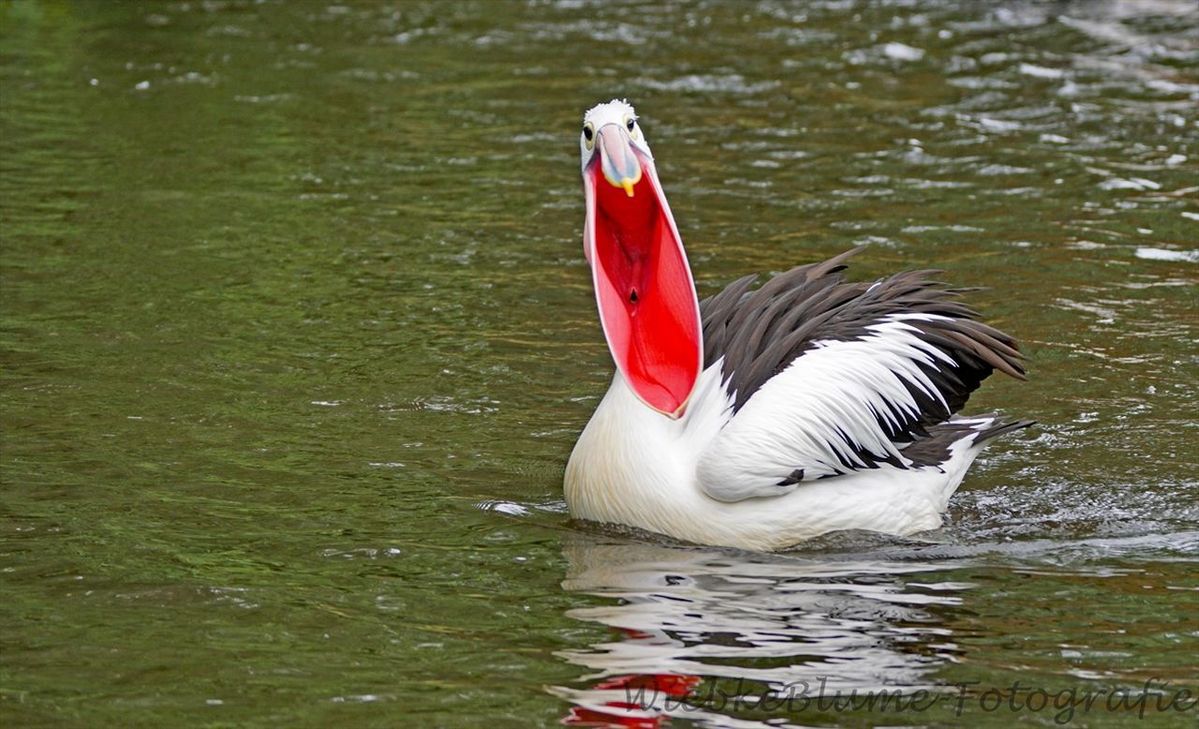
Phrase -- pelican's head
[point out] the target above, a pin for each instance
(643, 286)
(602, 136)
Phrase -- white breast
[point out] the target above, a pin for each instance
(633, 466)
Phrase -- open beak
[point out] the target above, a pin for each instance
(618, 161)
(643, 286)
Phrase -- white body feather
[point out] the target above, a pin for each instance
(712, 477)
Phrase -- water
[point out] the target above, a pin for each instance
(297, 336)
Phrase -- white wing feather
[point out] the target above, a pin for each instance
(820, 412)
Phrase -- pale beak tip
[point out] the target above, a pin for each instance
(627, 184)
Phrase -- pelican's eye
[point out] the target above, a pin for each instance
(588, 134)
(631, 124)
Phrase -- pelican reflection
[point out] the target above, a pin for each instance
(695, 627)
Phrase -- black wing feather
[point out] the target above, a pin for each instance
(758, 333)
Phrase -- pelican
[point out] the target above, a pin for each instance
(762, 417)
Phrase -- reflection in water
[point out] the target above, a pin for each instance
(689, 619)
(729, 638)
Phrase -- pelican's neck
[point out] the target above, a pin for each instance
(630, 456)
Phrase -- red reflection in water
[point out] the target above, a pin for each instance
(652, 687)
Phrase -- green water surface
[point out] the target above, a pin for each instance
(296, 335)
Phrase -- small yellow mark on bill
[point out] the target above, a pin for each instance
(627, 184)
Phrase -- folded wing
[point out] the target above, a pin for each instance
(826, 377)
